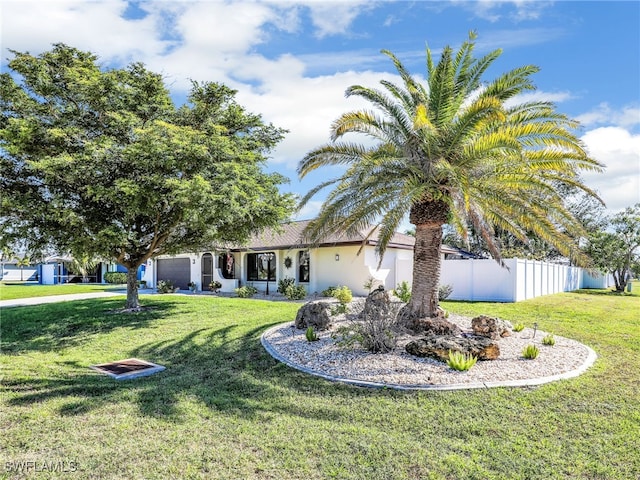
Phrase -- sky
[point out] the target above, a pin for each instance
(292, 61)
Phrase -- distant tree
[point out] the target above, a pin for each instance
(21, 263)
(101, 161)
(6, 255)
(616, 250)
(453, 151)
(82, 264)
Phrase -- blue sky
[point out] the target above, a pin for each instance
(292, 61)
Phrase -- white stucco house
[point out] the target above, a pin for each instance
(278, 254)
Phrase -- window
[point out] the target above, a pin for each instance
(261, 266)
(303, 266)
(226, 264)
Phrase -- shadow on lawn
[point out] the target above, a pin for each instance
(228, 373)
(58, 325)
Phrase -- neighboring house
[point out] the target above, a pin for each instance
(279, 254)
(55, 270)
(11, 272)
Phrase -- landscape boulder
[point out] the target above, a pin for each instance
(438, 347)
(314, 314)
(434, 326)
(491, 327)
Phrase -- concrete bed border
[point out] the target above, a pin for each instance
(525, 382)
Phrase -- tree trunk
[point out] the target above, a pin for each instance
(132, 287)
(426, 272)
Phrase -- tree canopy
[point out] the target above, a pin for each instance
(452, 150)
(615, 249)
(101, 161)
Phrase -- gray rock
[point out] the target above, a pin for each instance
(438, 346)
(314, 314)
(435, 326)
(491, 327)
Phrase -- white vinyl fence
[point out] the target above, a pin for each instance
(485, 280)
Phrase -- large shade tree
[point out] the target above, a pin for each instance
(100, 161)
(453, 149)
(615, 249)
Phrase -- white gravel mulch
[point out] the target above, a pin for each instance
(398, 369)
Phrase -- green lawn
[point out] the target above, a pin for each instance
(14, 290)
(224, 409)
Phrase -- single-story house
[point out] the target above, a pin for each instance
(281, 253)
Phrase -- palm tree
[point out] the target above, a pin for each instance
(23, 262)
(82, 264)
(453, 150)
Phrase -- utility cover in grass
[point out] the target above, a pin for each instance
(128, 368)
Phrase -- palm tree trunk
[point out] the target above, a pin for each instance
(426, 271)
(132, 288)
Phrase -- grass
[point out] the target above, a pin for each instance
(16, 290)
(224, 409)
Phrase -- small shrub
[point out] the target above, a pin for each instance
(444, 291)
(530, 352)
(461, 362)
(311, 335)
(295, 292)
(142, 284)
(215, 286)
(115, 277)
(285, 283)
(376, 331)
(518, 327)
(165, 286)
(371, 283)
(403, 291)
(329, 291)
(344, 296)
(247, 291)
(549, 340)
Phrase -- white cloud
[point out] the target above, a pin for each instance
(539, 96)
(494, 10)
(619, 150)
(310, 210)
(306, 107)
(333, 18)
(603, 114)
(95, 26)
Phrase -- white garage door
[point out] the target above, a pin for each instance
(178, 270)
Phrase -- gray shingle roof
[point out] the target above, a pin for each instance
(290, 236)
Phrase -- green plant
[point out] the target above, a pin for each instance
(192, 286)
(311, 335)
(284, 283)
(329, 291)
(403, 291)
(142, 284)
(165, 286)
(370, 283)
(518, 327)
(247, 291)
(530, 352)
(444, 291)
(215, 286)
(115, 277)
(295, 292)
(344, 296)
(461, 362)
(549, 340)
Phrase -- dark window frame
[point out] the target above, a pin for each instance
(304, 266)
(257, 264)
